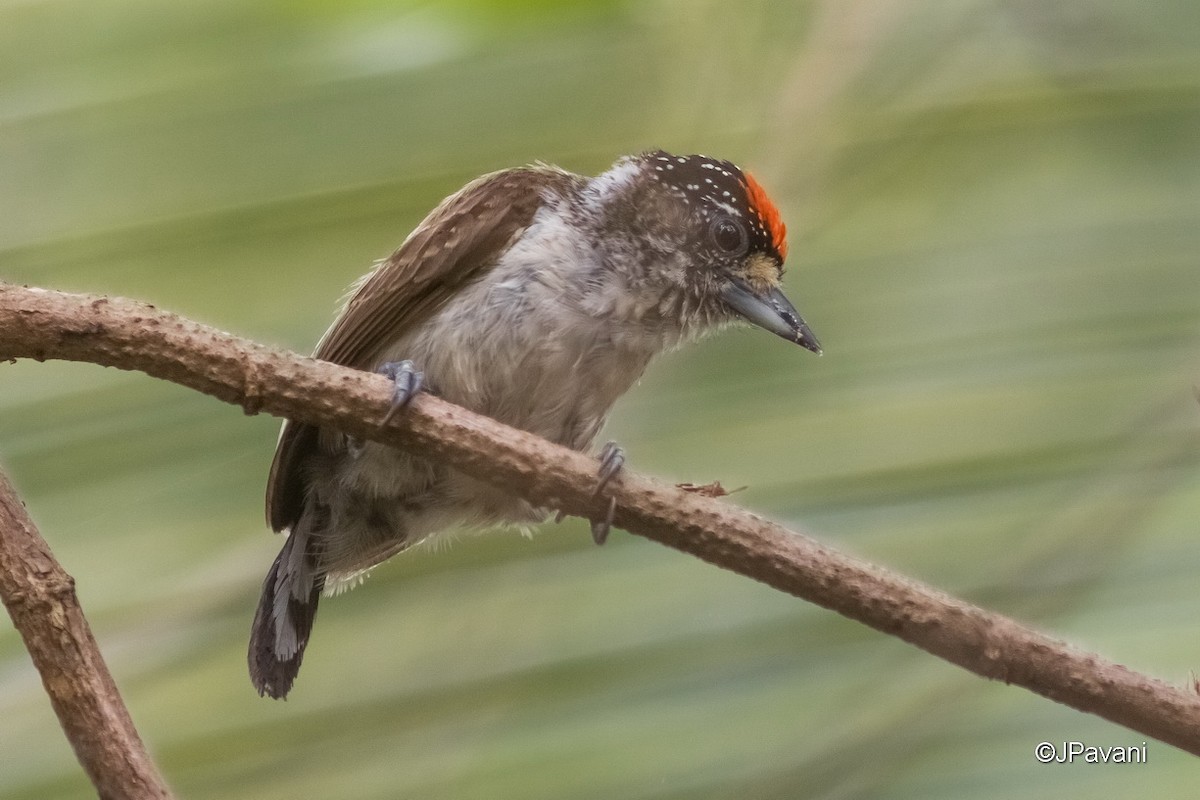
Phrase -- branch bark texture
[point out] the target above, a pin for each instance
(40, 598)
(41, 324)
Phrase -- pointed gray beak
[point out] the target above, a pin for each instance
(771, 311)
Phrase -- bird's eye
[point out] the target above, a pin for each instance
(728, 235)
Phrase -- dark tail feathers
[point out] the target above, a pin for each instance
(284, 618)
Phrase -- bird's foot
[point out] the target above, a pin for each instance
(407, 382)
(612, 459)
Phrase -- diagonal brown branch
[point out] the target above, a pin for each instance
(40, 598)
(41, 324)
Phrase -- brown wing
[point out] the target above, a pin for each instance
(455, 245)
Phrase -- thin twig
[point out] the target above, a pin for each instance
(40, 598)
(41, 324)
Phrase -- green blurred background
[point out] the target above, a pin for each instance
(994, 209)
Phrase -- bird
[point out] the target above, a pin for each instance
(537, 297)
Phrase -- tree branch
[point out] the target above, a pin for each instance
(40, 598)
(41, 324)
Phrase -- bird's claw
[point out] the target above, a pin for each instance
(612, 459)
(407, 382)
(601, 527)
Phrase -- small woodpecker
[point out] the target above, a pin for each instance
(534, 296)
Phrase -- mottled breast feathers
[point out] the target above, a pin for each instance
(457, 244)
